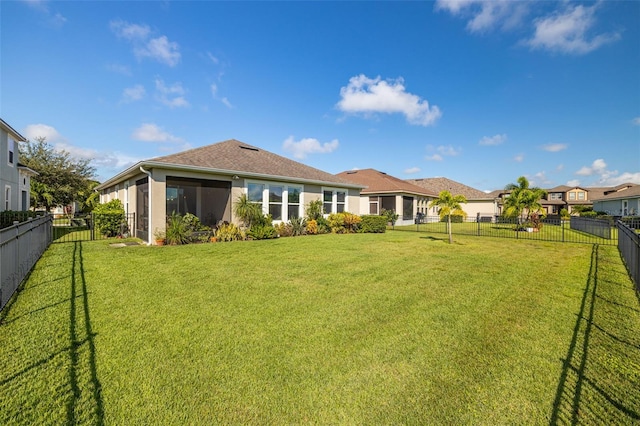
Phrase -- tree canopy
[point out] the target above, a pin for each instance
(449, 204)
(61, 178)
(523, 199)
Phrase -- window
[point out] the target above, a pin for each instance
(581, 195)
(373, 205)
(280, 201)
(572, 195)
(11, 148)
(7, 198)
(275, 202)
(293, 202)
(555, 196)
(334, 201)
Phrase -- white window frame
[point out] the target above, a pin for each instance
(285, 197)
(334, 199)
(7, 199)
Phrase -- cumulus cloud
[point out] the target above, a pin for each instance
(605, 177)
(555, 147)
(412, 170)
(171, 95)
(150, 132)
(493, 140)
(33, 131)
(573, 182)
(434, 157)
(53, 19)
(300, 149)
(119, 69)
(568, 32)
(364, 95)
(132, 94)
(144, 45)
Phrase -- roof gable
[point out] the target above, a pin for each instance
(380, 182)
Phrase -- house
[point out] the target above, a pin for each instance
(389, 193)
(206, 181)
(15, 178)
(478, 203)
(622, 200)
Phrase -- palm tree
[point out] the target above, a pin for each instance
(449, 204)
(523, 199)
(248, 212)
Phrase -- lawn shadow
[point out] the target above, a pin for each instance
(77, 269)
(589, 390)
(430, 238)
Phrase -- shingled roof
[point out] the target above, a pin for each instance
(235, 157)
(455, 188)
(379, 182)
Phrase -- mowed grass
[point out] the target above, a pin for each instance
(395, 328)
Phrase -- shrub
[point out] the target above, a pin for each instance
(109, 219)
(312, 227)
(177, 231)
(262, 231)
(336, 223)
(283, 229)
(456, 217)
(390, 215)
(588, 213)
(298, 226)
(351, 222)
(373, 224)
(229, 232)
(314, 210)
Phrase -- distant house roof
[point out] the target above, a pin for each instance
(377, 182)
(438, 184)
(237, 158)
(12, 131)
(620, 192)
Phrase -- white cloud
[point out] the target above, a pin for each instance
(119, 69)
(568, 32)
(573, 182)
(636, 121)
(598, 167)
(132, 94)
(448, 150)
(434, 157)
(129, 31)
(540, 179)
(519, 158)
(213, 59)
(412, 170)
(33, 131)
(159, 48)
(606, 177)
(374, 95)
(493, 140)
(150, 132)
(300, 149)
(172, 95)
(486, 15)
(560, 167)
(555, 147)
(54, 19)
(224, 100)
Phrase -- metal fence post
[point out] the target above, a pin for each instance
(478, 222)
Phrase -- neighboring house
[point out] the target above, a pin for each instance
(15, 178)
(389, 193)
(206, 181)
(567, 197)
(478, 202)
(622, 200)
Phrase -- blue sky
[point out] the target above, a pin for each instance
(479, 92)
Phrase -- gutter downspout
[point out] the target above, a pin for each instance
(148, 173)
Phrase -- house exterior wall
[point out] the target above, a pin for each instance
(8, 173)
(615, 207)
(483, 207)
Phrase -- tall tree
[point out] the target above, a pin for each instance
(449, 204)
(523, 199)
(61, 178)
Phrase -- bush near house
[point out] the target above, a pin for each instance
(372, 224)
(110, 219)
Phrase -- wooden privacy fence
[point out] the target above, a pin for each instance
(21, 245)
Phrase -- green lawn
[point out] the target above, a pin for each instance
(396, 328)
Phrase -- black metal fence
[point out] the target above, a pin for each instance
(629, 246)
(21, 245)
(599, 227)
(549, 229)
(70, 228)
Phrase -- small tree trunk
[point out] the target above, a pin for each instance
(449, 227)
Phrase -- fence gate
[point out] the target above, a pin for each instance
(83, 228)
